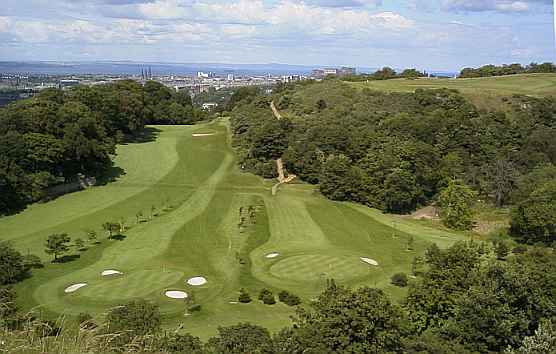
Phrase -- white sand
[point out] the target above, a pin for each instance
(111, 272)
(74, 287)
(272, 255)
(174, 294)
(196, 281)
(202, 134)
(369, 261)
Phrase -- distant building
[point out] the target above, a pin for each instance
(343, 71)
(231, 77)
(209, 106)
(68, 83)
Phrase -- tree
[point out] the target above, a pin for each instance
(244, 296)
(57, 244)
(399, 279)
(456, 201)
(12, 265)
(180, 343)
(79, 244)
(135, 318)
(385, 73)
(112, 228)
(240, 339)
(534, 220)
(288, 298)
(267, 297)
(347, 321)
(91, 235)
(501, 249)
(401, 192)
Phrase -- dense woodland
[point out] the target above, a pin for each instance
(48, 139)
(511, 69)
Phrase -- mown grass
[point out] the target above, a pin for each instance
(198, 231)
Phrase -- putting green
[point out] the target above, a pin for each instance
(189, 212)
(315, 267)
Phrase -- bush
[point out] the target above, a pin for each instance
(399, 279)
(288, 298)
(136, 318)
(180, 343)
(267, 297)
(32, 261)
(244, 296)
(519, 249)
(241, 338)
(194, 308)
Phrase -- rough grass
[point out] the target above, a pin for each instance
(197, 231)
(484, 92)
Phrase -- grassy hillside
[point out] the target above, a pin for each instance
(484, 92)
(209, 220)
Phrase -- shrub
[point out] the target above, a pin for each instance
(244, 296)
(180, 343)
(136, 318)
(519, 249)
(85, 320)
(267, 297)
(288, 298)
(399, 279)
(194, 308)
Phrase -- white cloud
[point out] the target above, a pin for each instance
(4, 24)
(162, 9)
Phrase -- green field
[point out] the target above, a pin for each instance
(484, 92)
(209, 220)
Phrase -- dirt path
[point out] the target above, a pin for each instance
(279, 163)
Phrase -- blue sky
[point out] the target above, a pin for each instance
(427, 34)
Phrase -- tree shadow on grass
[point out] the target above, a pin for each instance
(146, 135)
(67, 258)
(118, 237)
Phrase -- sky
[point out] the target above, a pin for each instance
(425, 34)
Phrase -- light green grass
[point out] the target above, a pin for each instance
(484, 92)
(198, 193)
(527, 84)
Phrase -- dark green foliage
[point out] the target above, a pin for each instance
(57, 244)
(240, 339)
(85, 320)
(395, 151)
(534, 219)
(135, 318)
(267, 297)
(469, 296)
(511, 69)
(346, 321)
(13, 267)
(50, 138)
(244, 296)
(32, 261)
(8, 307)
(194, 308)
(288, 298)
(456, 202)
(399, 279)
(501, 249)
(180, 343)
(519, 249)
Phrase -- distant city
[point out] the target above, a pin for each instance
(21, 80)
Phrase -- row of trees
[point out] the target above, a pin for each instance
(511, 69)
(387, 73)
(469, 298)
(49, 139)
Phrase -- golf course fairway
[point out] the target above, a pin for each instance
(191, 214)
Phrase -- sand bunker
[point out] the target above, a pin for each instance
(175, 294)
(369, 261)
(202, 134)
(196, 281)
(272, 255)
(74, 287)
(111, 272)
